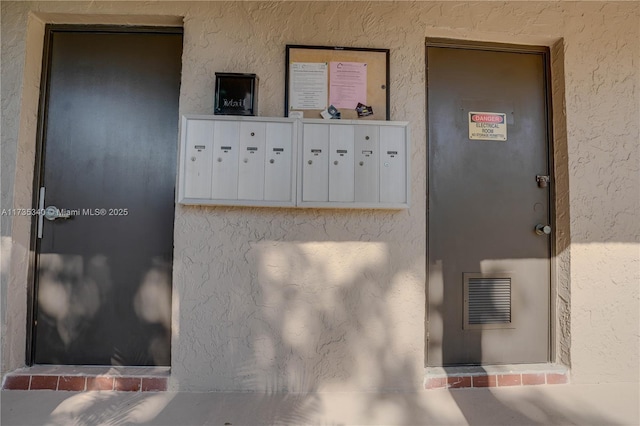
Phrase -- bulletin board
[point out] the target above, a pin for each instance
(319, 76)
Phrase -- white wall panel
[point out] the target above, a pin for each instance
(278, 167)
(198, 158)
(225, 160)
(393, 165)
(251, 161)
(341, 174)
(367, 164)
(315, 163)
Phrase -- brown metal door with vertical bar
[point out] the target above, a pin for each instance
(489, 243)
(109, 132)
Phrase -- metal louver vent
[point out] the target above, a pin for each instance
(487, 301)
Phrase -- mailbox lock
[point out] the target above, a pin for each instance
(219, 160)
(362, 163)
(310, 162)
(253, 134)
(366, 138)
(272, 161)
(386, 164)
(193, 158)
(335, 162)
(246, 160)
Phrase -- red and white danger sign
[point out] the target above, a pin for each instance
(488, 126)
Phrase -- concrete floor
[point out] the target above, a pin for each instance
(605, 404)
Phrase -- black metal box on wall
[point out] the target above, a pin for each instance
(236, 94)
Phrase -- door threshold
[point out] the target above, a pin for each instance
(483, 376)
(88, 378)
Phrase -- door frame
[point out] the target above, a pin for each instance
(544, 51)
(40, 154)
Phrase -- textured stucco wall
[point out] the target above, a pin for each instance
(11, 59)
(20, 78)
(602, 103)
(275, 299)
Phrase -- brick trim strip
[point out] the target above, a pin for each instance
(495, 380)
(84, 383)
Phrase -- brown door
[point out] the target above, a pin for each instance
(107, 176)
(489, 269)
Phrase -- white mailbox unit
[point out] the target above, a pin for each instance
(239, 161)
(354, 164)
(285, 162)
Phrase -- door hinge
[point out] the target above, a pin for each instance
(41, 212)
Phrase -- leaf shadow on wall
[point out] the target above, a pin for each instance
(88, 316)
(336, 317)
(330, 318)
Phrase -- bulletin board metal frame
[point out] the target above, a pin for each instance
(377, 87)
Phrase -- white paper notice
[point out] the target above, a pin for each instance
(488, 126)
(308, 85)
(348, 84)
